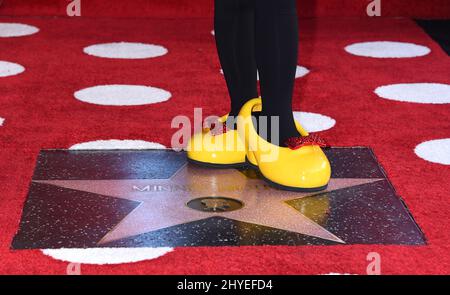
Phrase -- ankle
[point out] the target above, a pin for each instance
(275, 129)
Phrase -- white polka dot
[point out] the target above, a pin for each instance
(314, 122)
(300, 72)
(103, 256)
(115, 144)
(126, 50)
(416, 92)
(435, 151)
(2, 120)
(338, 274)
(122, 95)
(10, 69)
(213, 32)
(16, 30)
(387, 49)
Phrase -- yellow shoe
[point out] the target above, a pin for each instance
(225, 150)
(300, 167)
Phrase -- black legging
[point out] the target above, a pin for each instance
(263, 35)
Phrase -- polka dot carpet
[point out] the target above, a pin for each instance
(116, 84)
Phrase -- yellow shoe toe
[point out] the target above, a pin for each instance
(221, 151)
(305, 169)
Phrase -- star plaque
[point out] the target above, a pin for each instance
(155, 198)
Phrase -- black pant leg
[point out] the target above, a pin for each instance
(276, 56)
(234, 24)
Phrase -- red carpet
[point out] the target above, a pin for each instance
(40, 112)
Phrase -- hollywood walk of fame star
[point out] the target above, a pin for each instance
(163, 201)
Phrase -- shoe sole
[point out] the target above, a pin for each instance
(284, 187)
(250, 165)
(247, 164)
(217, 166)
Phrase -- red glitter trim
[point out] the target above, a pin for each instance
(294, 143)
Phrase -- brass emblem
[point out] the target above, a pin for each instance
(215, 204)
